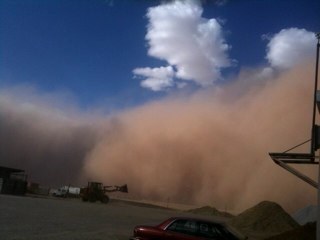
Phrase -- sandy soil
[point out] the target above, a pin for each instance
(54, 218)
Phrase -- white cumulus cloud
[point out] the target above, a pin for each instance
(290, 47)
(193, 45)
(157, 79)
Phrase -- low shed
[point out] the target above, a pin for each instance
(13, 181)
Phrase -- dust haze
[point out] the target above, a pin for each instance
(209, 147)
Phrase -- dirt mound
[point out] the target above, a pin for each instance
(266, 217)
(305, 232)
(210, 211)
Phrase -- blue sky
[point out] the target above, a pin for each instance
(91, 49)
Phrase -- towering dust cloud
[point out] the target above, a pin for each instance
(213, 147)
(208, 148)
(35, 136)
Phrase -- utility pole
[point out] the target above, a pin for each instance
(314, 130)
(315, 133)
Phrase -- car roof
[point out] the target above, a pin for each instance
(171, 219)
(196, 219)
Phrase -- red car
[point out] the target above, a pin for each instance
(184, 228)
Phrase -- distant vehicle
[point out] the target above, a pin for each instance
(66, 191)
(183, 228)
(60, 192)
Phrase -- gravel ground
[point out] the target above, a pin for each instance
(53, 218)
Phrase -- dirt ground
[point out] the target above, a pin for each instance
(36, 218)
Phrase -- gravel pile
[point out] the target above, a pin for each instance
(264, 219)
(210, 211)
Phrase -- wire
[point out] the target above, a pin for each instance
(297, 146)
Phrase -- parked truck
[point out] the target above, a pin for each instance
(66, 191)
(95, 191)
